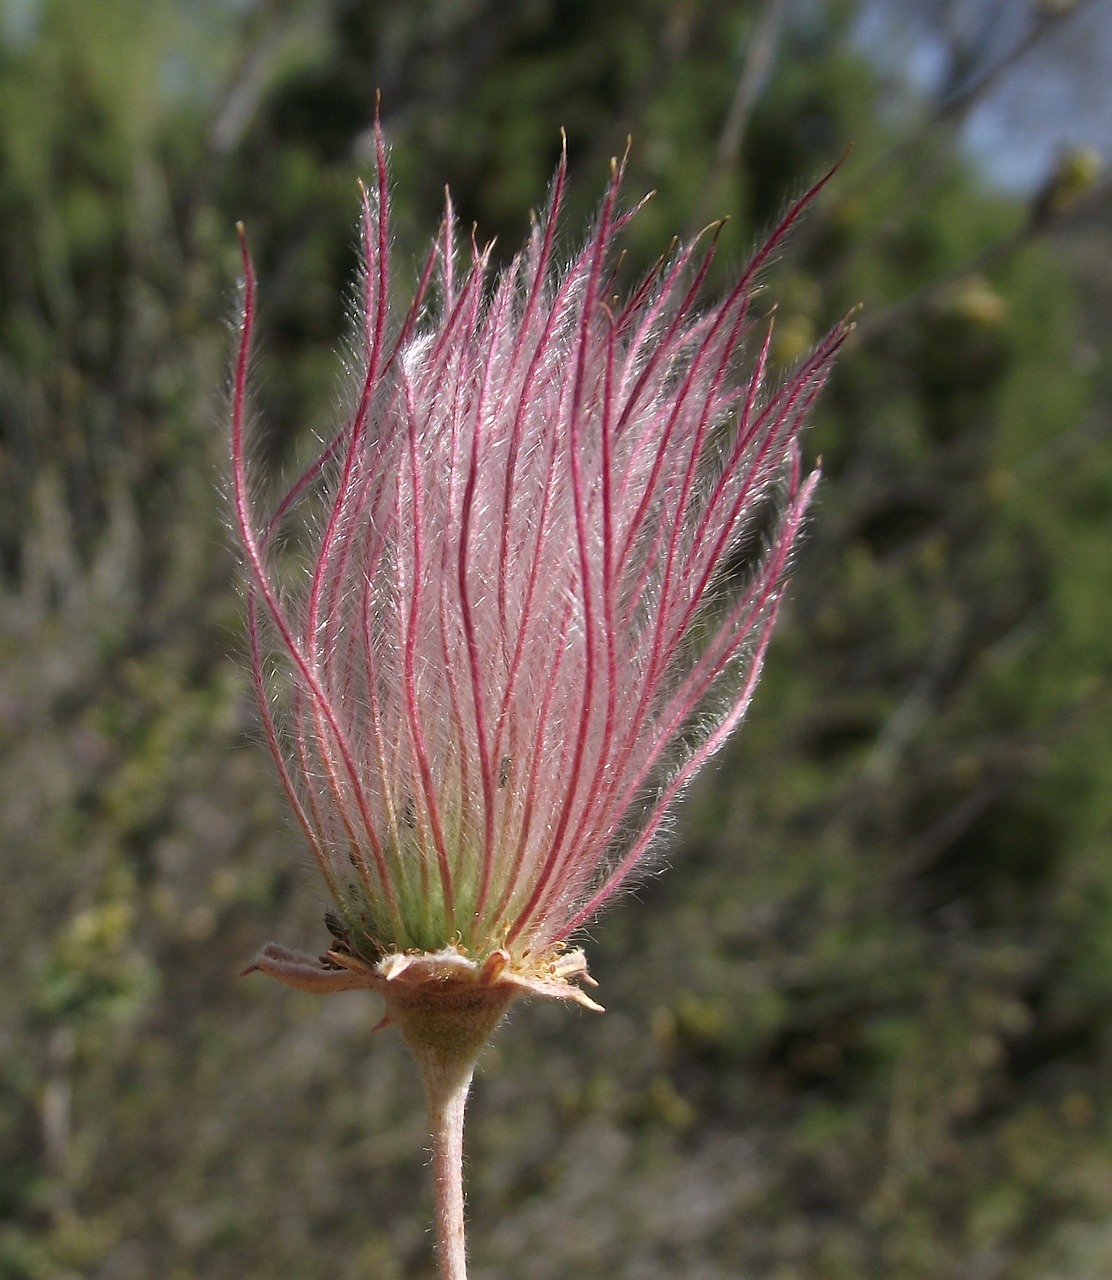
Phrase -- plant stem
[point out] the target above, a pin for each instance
(446, 1029)
(446, 1092)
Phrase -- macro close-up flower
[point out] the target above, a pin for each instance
(547, 548)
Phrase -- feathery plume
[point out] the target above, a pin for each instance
(534, 610)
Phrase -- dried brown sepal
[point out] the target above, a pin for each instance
(446, 976)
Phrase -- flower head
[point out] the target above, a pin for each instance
(551, 542)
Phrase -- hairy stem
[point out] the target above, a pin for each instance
(446, 1093)
(446, 1028)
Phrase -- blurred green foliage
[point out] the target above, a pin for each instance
(862, 1027)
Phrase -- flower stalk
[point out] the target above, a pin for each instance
(446, 1093)
(446, 1036)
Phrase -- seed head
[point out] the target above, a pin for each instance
(552, 538)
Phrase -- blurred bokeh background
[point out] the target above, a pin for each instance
(863, 1025)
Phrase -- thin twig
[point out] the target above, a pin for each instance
(877, 323)
(952, 108)
(754, 73)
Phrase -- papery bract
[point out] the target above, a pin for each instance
(554, 537)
